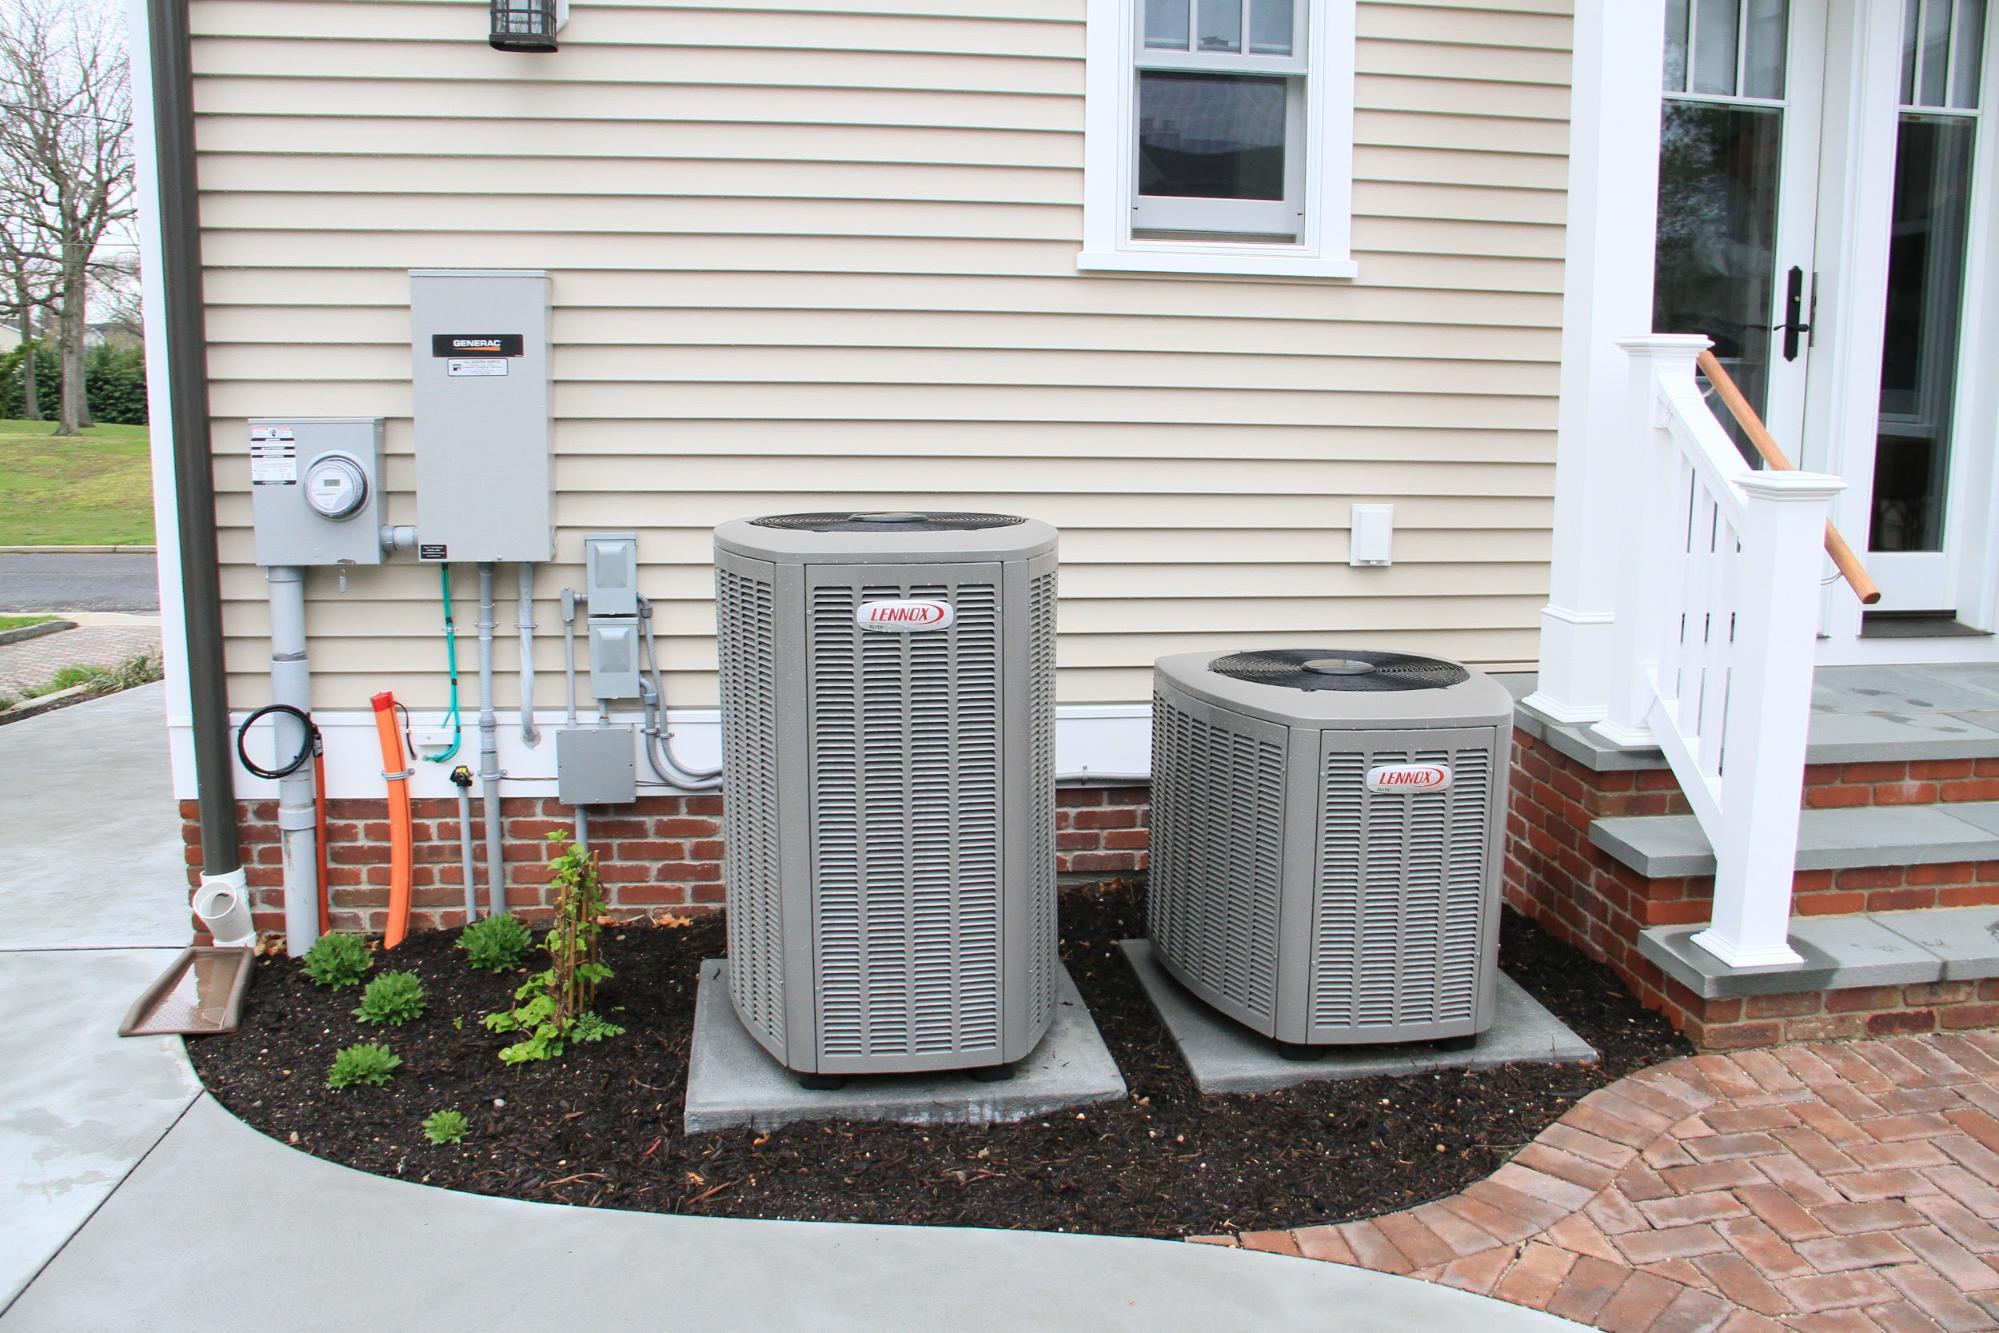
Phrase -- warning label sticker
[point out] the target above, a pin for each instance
(431, 551)
(475, 366)
(273, 462)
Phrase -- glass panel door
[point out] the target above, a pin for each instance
(1738, 165)
(1942, 55)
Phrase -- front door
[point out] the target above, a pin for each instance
(1740, 225)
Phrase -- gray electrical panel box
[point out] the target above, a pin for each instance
(611, 573)
(479, 350)
(316, 490)
(595, 766)
(614, 657)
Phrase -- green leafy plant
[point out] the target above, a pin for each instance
(495, 943)
(392, 999)
(363, 1062)
(338, 961)
(442, 1127)
(553, 1006)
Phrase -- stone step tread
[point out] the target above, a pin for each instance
(1842, 952)
(1673, 846)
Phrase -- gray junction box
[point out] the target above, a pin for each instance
(480, 371)
(316, 490)
(888, 713)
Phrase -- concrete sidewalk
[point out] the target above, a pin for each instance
(135, 1201)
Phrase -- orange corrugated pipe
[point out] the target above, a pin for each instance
(397, 773)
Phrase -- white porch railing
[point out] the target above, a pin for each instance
(1716, 622)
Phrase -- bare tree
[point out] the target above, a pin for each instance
(65, 155)
(27, 289)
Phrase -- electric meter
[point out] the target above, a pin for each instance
(336, 487)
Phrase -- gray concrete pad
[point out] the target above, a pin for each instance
(1839, 952)
(1965, 938)
(1225, 1056)
(223, 1229)
(91, 830)
(79, 1105)
(1882, 835)
(732, 1081)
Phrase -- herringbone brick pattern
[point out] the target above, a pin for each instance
(1821, 1186)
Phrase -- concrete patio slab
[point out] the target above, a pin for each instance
(732, 1081)
(87, 815)
(201, 1231)
(79, 1106)
(1224, 1056)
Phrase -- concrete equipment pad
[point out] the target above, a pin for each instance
(79, 1106)
(1225, 1056)
(732, 1081)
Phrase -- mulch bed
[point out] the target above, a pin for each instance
(601, 1127)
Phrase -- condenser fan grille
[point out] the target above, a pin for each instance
(887, 521)
(1348, 669)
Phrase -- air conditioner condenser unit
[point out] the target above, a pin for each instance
(1326, 829)
(888, 715)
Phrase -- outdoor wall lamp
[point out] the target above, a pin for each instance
(527, 25)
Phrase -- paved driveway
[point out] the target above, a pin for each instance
(85, 582)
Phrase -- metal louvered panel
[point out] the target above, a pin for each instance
(1217, 853)
(905, 743)
(1401, 893)
(1041, 964)
(745, 644)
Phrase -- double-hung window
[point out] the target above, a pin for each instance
(1220, 137)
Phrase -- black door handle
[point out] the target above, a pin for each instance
(1794, 309)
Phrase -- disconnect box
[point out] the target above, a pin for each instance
(480, 354)
(316, 490)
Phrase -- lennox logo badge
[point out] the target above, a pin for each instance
(1409, 777)
(908, 614)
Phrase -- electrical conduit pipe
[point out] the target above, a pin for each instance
(530, 735)
(489, 749)
(397, 773)
(298, 805)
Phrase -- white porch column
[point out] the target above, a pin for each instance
(1769, 710)
(1607, 294)
(1639, 462)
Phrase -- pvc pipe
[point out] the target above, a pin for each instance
(489, 749)
(298, 806)
(569, 655)
(223, 904)
(396, 772)
(461, 778)
(582, 827)
(530, 734)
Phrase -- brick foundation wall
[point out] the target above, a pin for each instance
(661, 853)
(1583, 895)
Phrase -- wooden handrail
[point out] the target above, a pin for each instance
(1752, 425)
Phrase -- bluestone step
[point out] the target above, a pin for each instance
(1673, 846)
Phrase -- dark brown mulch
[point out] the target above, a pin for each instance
(602, 1126)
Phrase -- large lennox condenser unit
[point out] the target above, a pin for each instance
(888, 714)
(1326, 840)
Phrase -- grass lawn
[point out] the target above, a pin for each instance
(22, 622)
(93, 489)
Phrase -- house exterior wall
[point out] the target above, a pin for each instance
(808, 258)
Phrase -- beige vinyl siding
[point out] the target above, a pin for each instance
(810, 258)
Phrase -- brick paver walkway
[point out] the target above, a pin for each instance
(1824, 1186)
(33, 662)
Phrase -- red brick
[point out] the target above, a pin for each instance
(1870, 877)
(1826, 798)
(1907, 793)
(1983, 790)
(1901, 1021)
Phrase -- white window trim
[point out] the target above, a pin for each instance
(1324, 245)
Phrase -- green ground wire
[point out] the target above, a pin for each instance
(451, 714)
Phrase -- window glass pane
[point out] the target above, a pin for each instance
(1715, 23)
(1911, 15)
(1166, 24)
(1919, 352)
(1935, 55)
(1676, 45)
(1716, 261)
(1270, 27)
(1769, 31)
(1970, 52)
(1211, 136)
(1221, 26)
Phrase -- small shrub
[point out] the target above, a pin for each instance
(392, 999)
(364, 1062)
(443, 1127)
(338, 961)
(591, 1026)
(495, 943)
(554, 1004)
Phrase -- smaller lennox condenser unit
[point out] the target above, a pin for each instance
(888, 715)
(1326, 840)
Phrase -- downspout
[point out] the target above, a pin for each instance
(169, 50)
